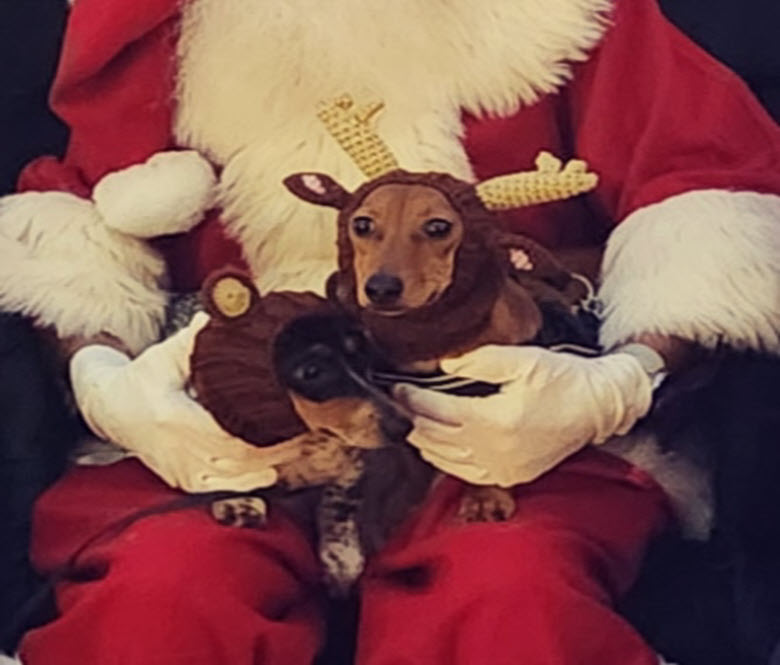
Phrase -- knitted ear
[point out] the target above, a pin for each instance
(229, 294)
(317, 188)
(528, 257)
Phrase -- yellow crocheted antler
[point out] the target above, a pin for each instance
(551, 181)
(352, 127)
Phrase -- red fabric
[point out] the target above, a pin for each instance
(657, 116)
(174, 588)
(537, 590)
(194, 255)
(48, 173)
(115, 80)
(653, 114)
(178, 588)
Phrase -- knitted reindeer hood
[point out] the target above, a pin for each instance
(483, 256)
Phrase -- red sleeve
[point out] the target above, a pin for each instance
(113, 89)
(656, 116)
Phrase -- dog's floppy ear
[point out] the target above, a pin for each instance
(229, 294)
(340, 289)
(318, 188)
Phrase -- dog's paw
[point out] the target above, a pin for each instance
(486, 504)
(247, 511)
(325, 459)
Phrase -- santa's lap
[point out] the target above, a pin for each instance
(178, 587)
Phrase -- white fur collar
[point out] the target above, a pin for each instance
(251, 73)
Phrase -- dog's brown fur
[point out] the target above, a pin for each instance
(398, 244)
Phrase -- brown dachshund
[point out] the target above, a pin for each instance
(424, 265)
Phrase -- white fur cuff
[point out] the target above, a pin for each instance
(7, 660)
(704, 266)
(64, 268)
(169, 193)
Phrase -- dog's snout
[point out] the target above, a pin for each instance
(384, 289)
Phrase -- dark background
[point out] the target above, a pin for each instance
(743, 33)
(30, 36)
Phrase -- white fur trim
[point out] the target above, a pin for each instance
(251, 75)
(7, 660)
(687, 485)
(168, 193)
(704, 266)
(62, 266)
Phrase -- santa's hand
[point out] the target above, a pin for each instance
(141, 405)
(549, 406)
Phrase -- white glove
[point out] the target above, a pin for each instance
(142, 405)
(549, 406)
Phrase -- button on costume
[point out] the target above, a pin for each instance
(187, 116)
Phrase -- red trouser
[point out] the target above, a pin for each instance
(178, 589)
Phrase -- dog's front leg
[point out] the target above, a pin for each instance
(325, 459)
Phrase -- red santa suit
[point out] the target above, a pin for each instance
(689, 170)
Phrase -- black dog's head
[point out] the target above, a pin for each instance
(323, 356)
(325, 361)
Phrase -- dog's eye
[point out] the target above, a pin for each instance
(437, 228)
(362, 226)
(308, 372)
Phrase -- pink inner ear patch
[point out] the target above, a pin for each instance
(313, 183)
(520, 259)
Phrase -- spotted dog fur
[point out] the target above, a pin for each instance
(244, 511)
(340, 548)
(328, 460)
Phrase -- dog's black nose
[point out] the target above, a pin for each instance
(384, 289)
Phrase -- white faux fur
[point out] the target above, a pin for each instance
(251, 74)
(168, 193)
(687, 484)
(62, 266)
(704, 266)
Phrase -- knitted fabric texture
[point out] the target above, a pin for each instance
(232, 369)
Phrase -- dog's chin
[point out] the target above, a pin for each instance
(400, 310)
(388, 311)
